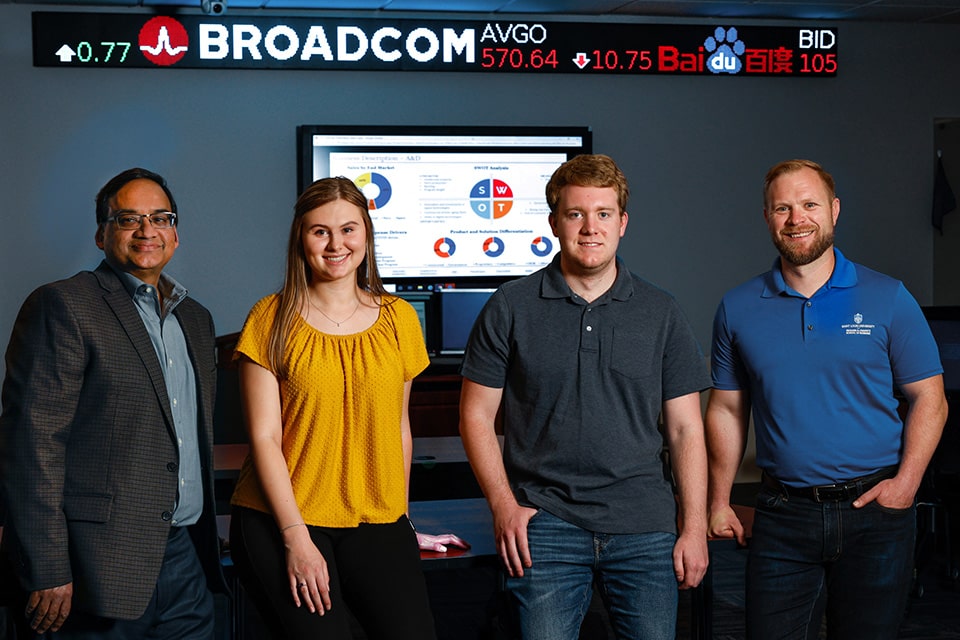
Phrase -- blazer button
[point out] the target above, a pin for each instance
(166, 516)
(171, 466)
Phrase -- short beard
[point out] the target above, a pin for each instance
(800, 258)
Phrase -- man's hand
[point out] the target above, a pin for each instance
(439, 543)
(510, 530)
(724, 523)
(888, 493)
(690, 560)
(48, 609)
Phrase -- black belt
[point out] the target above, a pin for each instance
(839, 492)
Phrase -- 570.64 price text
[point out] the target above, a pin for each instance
(510, 58)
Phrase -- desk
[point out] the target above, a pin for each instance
(441, 450)
(227, 460)
(468, 518)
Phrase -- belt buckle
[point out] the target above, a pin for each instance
(836, 493)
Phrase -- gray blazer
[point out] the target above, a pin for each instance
(88, 455)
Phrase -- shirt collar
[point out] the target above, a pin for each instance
(171, 291)
(554, 286)
(844, 276)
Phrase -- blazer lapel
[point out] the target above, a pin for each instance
(119, 301)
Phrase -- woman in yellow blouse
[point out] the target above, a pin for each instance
(319, 512)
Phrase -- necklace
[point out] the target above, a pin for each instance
(352, 313)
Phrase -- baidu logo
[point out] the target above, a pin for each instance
(163, 41)
(725, 49)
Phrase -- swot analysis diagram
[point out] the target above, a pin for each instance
(434, 214)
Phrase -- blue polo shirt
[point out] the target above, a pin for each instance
(821, 371)
(583, 385)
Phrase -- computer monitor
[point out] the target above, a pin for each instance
(422, 303)
(459, 309)
(451, 206)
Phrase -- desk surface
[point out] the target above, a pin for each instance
(229, 457)
(468, 518)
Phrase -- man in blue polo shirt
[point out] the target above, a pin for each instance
(817, 345)
(584, 357)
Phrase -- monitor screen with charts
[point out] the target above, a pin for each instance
(451, 206)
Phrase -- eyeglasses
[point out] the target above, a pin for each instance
(131, 221)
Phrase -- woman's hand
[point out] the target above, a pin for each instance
(439, 543)
(307, 570)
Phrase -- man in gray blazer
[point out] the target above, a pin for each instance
(106, 437)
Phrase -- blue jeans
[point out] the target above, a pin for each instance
(633, 572)
(807, 558)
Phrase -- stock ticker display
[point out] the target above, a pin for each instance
(68, 39)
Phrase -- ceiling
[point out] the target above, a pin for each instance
(917, 11)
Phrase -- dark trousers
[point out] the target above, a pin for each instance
(181, 607)
(375, 574)
(807, 558)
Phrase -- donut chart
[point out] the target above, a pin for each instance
(541, 246)
(493, 246)
(376, 188)
(491, 198)
(444, 247)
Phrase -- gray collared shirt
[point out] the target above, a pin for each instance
(583, 387)
(171, 347)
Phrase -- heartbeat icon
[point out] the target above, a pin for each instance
(163, 44)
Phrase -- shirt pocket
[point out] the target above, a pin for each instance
(634, 355)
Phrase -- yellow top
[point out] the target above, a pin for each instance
(340, 410)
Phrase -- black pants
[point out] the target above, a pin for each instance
(374, 571)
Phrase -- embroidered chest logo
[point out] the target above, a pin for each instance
(858, 328)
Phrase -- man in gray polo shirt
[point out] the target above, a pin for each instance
(584, 357)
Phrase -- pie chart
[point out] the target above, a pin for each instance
(376, 188)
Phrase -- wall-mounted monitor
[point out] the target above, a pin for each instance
(945, 325)
(451, 206)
